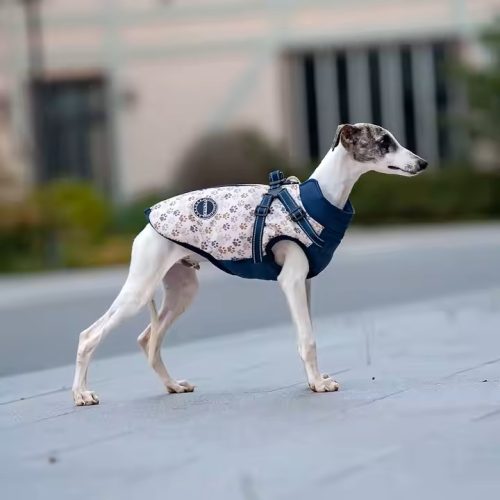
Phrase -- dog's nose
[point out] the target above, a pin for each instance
(422, 164)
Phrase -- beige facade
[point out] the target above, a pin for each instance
(174, 69)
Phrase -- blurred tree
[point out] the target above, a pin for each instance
(482, 83)
(73, 215)
(229, 157)
(11, 166)
(73, 208)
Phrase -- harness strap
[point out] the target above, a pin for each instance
(297, 214)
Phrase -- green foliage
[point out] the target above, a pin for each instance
(60, 223)
(21, 238)
(72, 210)
(451, 194)
(130, 219)
(483, 90)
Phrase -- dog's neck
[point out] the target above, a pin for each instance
(336, 174)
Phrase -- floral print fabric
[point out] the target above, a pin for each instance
(220, 221)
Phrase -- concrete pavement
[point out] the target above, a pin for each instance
(418, 415)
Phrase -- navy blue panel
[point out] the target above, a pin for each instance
(322, 211)
(266, 270)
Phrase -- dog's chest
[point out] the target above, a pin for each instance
(220, 221)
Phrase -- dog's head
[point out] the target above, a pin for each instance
(375, 148)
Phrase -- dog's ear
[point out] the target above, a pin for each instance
(344, 133)
(336, 139)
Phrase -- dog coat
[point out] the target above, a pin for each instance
(234, 227)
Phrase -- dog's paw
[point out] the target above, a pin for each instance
(180, 386)
(85, 398)
(324, 384)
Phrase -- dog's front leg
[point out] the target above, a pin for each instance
(292, 280)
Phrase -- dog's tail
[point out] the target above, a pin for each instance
(155, 326)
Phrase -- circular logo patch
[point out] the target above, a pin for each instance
(205, 208)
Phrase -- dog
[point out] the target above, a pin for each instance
(292, 256)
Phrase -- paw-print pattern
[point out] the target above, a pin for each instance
(228, 234)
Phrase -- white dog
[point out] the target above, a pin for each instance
(288, 233)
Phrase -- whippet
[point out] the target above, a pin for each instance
(286, 232)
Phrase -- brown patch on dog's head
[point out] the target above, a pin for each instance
(365, 142)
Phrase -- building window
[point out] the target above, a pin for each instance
(408, 98)
(441, 98)
(374, 71)
(403, 87)
(343, 88)
(72, 130)
(311, 106)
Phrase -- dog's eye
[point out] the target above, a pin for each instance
(385, 143)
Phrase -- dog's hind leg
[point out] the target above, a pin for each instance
(180, 286)
(143, 338)
(152, 256)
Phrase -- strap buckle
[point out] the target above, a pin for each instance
(261, 210)
(298, 214)
(276, 178)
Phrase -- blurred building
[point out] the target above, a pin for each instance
(118, 89)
